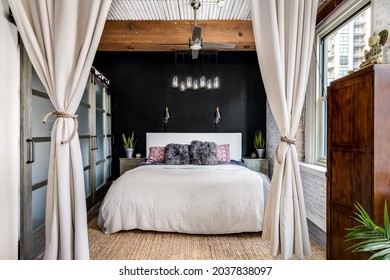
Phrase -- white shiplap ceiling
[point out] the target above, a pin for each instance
(178, 10)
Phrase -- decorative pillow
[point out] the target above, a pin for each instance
(203, 153)
(223, 153)
(177, 154)
(156, 154)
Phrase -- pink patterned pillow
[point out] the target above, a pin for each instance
(223, 153)
(156, 154)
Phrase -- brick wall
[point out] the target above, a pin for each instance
(314, 185)
(273, 137)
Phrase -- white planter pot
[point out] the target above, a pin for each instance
(129, 153)
(260, 153)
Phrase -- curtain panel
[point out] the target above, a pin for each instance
(61, 38)
(284, 33)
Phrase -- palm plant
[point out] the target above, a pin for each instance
(128, 142)
(375, 238)
(259, 141)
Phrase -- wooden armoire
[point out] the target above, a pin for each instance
(358, 153)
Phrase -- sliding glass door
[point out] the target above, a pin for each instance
(94, 131)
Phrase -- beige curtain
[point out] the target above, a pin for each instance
(61, 38)
(284, 32)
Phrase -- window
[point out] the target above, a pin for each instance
(355, 63)
(343, 38)
(344, 49)
(343, 71)
(336, 55)
(343, 60)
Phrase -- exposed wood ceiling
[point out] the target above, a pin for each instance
(142, 25)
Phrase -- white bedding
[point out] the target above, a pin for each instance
(212, 199)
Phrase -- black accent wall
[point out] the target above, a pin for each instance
(141, 89)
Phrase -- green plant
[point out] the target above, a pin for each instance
(375, 238)
(128, 142)
(259, 141)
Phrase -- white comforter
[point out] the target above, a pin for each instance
(212, 199)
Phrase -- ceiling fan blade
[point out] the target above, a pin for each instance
(218, 45)
(196, 34)
(173, 44)
(194, 54)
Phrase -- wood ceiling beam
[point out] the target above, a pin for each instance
(124, 35)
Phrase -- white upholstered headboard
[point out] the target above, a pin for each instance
(162, 139)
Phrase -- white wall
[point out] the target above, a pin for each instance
(9, 138)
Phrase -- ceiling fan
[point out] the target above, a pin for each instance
(196, 42)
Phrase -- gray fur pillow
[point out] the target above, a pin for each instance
(177, 154)
(203, 153)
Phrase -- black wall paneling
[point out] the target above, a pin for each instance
(140, 85)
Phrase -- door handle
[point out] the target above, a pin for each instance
(31, 151)
(94, 143)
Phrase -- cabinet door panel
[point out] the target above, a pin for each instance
(349, 183)
(348, 104)
(340, 220)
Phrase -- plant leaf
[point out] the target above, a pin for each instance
(386, 221)
(382, 254)
(376, 238)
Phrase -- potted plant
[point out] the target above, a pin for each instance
(128, 144)
(375, 238)
(259, 143)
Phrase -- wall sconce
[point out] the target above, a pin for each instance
(166, 118)
(217, 117)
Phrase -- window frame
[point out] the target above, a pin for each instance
(316, 93)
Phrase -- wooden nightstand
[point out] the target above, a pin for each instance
(126, 164)
(257, 164)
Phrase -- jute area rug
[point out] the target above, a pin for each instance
(149, 245)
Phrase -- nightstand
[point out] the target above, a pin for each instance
(126, 164)
(257, 164)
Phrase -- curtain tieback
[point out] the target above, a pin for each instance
(289, 141)
(64, 115)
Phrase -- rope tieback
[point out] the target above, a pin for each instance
(68, 116)
(289, 141)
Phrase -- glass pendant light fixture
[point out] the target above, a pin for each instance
(202, 82)
(175, 82)
(195, 85)
(209, 84)
(182, 86)
(216, 82)
(186, 82)
(189, 82)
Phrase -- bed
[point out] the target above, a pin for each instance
(188, 197)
